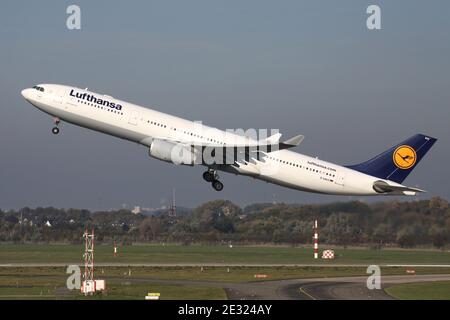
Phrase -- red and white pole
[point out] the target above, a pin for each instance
(316, 241)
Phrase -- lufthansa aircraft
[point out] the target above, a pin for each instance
(185, 142)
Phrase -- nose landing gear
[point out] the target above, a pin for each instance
(56, 121)
(212, 177)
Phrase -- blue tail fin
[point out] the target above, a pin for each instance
(397, 163)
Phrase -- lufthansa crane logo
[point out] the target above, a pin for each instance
(404, 157)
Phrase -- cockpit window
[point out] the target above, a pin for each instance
(39, 88)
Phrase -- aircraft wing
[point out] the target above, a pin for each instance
(270, 144)
(384, 187)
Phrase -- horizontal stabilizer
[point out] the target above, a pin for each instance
(384, 187)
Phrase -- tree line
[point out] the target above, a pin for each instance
(390, 223)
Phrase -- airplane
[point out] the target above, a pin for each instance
(183, 142)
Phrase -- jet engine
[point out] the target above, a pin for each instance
(172, 152)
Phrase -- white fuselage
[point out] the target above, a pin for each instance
(142, 125)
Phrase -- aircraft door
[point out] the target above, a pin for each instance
(134, 118)
(339, 179)
(57, 97)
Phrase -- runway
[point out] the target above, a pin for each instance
(340, 288)
(270, 265)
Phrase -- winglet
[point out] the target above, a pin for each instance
(274, 138)
(292, 142)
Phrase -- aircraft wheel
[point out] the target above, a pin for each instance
(217, 185)
(208, 176)
(55, 130)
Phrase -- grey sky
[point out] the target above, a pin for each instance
(304, 67)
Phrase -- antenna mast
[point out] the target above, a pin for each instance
(173, 208)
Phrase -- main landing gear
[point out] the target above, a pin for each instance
(56, 121)
(212, 177)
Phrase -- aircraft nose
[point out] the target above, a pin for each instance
(26, 93)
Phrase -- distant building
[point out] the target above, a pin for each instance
(136, 210)
(226, 211)
(48, 224)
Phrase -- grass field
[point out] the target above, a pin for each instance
(421, 291)
(124, 282)
(222, 274)
(50, 282)
(136, 282)
(43, 288)
(72, 254)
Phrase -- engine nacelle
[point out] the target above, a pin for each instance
(172, 152)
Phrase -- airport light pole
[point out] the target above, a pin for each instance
(316, 241)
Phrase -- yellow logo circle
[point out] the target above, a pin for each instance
(404, 157)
